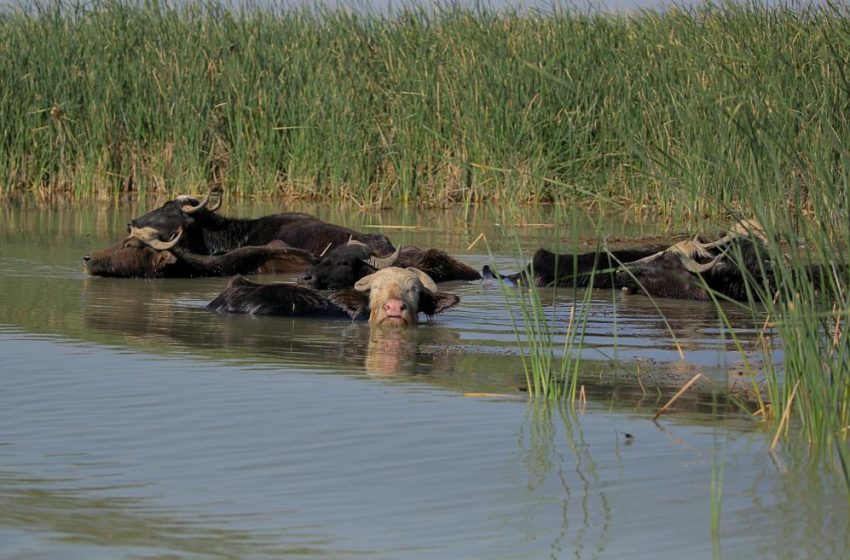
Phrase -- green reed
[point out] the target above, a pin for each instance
(550, 330)
(429, 104)
(550, 367)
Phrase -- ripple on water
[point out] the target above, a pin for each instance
(135, 423)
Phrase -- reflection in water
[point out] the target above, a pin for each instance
(387, 350)
(585, 510)
(102, 517)
(622, 336)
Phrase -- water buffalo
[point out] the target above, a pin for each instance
(392, 297)
(133, 258)
(693, 269)
(345, 265)
(551, 269)
(206, 232)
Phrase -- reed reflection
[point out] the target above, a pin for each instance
(585, 510)
(82, 516)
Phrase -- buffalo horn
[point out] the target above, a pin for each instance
(741, 228)
(427, 282)
(148, 236)
(187, 206)
(722, 241)
(696, 268)
(383, 262)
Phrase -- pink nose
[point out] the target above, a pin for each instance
(394, 307)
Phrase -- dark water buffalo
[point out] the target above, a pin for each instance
(134, 259)
(206, 232)
(345, 265)
(551, 269)
(687, 270)
(733, 267)
(736, 266)
(392, 297)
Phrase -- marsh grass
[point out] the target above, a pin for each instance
(431, 104)
(809, 391)
(551, 334)
(802, 397)
(550, 339)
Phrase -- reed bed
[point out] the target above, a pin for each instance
(431, 104)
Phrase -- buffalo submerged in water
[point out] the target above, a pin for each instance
(133, 258)
(392, 296)
(737, 266)
(342, 267)
(691, 269)
(186, 238)
(595, 268)
(204, 231)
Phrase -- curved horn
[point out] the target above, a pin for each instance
(427, 282)
(690, 249)
(187, 207)
(694, 267)
(722, 241)
(149, 236)
(383, 262)
(742, 228)
(219, 192)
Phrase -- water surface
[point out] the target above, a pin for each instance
(136, 424)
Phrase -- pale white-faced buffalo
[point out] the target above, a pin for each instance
(133, 258)
(594, 268)
(206, 232)
(391, 297)
(345, 265)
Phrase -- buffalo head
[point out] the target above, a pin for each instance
(178, 214)
(129, 258)
(674, 272)
(345, 265)
(397, 295)
(694, 269)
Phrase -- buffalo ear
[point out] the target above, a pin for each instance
(431, 304)
(163, 259)
(353, 302)
(364, 284)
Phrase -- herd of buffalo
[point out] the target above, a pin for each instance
(348, 273)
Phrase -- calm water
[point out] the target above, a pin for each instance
(135, 424)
